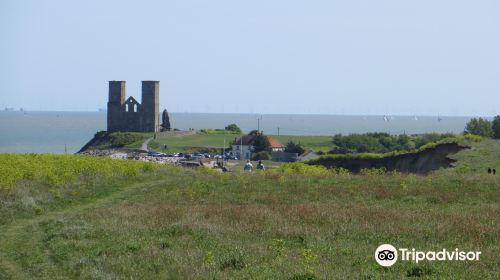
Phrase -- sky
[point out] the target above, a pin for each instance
(424, 57)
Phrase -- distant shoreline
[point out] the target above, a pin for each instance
(57, 131)
(258, 114)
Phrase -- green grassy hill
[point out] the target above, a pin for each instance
(104, 219)
(117, 140)
(193, 142)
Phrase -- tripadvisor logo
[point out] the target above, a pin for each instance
(387, 255)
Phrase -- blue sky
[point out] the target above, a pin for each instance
(398, 57)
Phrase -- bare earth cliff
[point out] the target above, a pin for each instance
(420, 162)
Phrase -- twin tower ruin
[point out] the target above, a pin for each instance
(130, 115)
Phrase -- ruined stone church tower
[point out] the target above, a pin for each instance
(130, 115)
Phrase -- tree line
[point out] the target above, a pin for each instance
(484, 127)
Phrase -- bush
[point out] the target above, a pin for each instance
(214, 131)
(380, 142)
(233, 128)
(337, 150)
(100, 134)
(372, 171)
(471, 137)
(263, 155)
(122, 139)
(479, 126)
(261, 143)
(301, 168)
(291, 147)
(496, 127)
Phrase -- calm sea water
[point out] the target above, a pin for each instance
(55, 132)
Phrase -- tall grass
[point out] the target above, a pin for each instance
(269, 225)
(34, 183)
(62, 169)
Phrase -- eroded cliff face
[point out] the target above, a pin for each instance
(421, 162)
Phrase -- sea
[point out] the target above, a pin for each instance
(67, 132)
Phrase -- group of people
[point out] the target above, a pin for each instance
(490, 171)
(249, 166)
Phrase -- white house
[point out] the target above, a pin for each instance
(243, 147)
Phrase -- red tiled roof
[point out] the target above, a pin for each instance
(245, 140)
(249, 140)
(274, 143)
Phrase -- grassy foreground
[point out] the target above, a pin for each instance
(166, 222)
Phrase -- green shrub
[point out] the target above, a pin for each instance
(479, 126)
(496, 127)
(216, 131)
(292, 147)
(379, 142)
(372, 171)
(263, 155)
(341, 171)
(338, 150)
(100, 134)
(122, 139)
(301, 168)
(261, 143)
(472, 137)
(233, 128)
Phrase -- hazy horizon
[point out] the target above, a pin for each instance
(366, 58)
(9, 109)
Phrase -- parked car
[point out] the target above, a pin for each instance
(156, 154)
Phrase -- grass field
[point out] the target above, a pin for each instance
(171, 223)
(201, 141)
(192, 143)
(315, 143)
(213, 141)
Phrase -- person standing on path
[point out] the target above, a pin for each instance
(261, 166)
(248, 167)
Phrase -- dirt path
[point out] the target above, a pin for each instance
(15, 229)
(144, 146)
